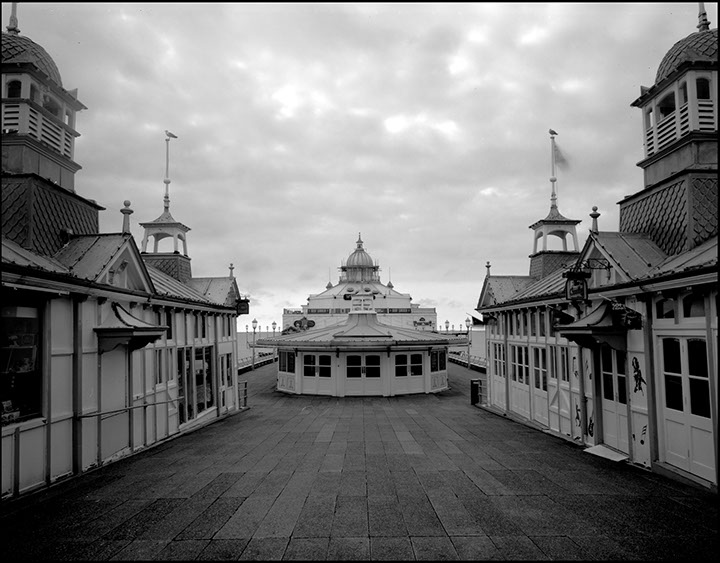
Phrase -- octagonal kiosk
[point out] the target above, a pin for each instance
(362, 357)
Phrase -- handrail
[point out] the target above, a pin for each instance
(108, 414)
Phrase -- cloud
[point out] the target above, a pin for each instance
(424, 126)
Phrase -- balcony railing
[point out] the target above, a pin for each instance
(678, 124)
(30, 121)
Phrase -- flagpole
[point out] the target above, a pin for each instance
(553, 177)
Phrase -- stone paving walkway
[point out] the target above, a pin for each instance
(410, 478)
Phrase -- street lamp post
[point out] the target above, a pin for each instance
(254, 325)
(468, 324)
(274, 325)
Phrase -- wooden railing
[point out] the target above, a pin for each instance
(29, 120)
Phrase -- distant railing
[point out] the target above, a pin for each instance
(261, 359)
(461, 358)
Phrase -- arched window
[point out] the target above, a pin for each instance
(665, 309)
(34, 96)
(51, 105)
(683, 93)
(693, 306)
(702, 85)
(13, 89)
(666, 106)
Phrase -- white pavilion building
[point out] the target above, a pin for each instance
(359, 277)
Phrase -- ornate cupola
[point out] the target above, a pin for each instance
(359, 266)
(678, 205)
(545, 261)
(38, 114)
(40, 209)
(172, 262)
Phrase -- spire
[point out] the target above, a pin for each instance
(13, 27)
(487, 265)
(703, 23)
(232, 267)
(359, 242)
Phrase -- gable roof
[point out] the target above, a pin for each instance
(498, 289)
(223, 291)
(704, 255)
(97, 257)
(632, 254)
(13, 253)
(168, 286)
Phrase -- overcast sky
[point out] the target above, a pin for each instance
(422, 126)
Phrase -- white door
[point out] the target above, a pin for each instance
(362, 374)
(560, 417)
(613, 381)
(317, 374)
(519, 379)
(499, 375)
(539, 389)
(687, 420)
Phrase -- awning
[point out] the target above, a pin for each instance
(124, 328)
(606, 324)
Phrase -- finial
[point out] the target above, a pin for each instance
(13, 27)
(487, 265)
(703, 23)
(594, 216)
(126, 211)
(232, 267)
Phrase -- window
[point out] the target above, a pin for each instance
(169, 322)
(665, 308)
(533, 325)
(13, 89)
(683, 93)
(540, 368)
(666, 106)
(401, 362)
(672, 373)
(200, 325)
(564, 364)
(368, 365)
(286, 361)
(20, 363)
(372, 366)
(438, 360)
(541, 321)
(698, 377)
(693, 305)
(409, 364)
(51, 105)
(702, 86)
(159, 367)
(520, 368)
(317, 365)
(614, 377)
(499, 360)
(203, 378)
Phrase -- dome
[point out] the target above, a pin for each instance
(19, 49)
(698, 46)
(359, 258)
